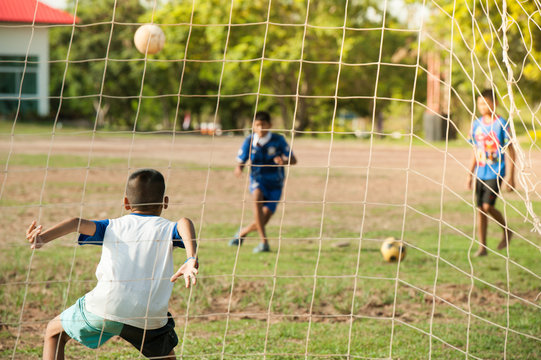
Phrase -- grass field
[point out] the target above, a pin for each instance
(308, 298)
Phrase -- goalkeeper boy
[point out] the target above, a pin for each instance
(268, 153)
(135, 274)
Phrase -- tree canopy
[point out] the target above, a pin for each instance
(296, 61)
(474, 31)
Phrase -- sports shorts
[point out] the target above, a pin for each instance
(93, 331)
(486, 191)
(271, 196)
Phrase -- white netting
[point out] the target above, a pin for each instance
(330, 73)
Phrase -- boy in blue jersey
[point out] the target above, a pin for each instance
(135, 274)
(268, 153)
(490, 135)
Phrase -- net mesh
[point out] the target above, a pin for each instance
(324, 290)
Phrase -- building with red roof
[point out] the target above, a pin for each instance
(24, 54)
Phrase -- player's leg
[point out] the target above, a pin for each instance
(81, 325)
(271, 199)
(55, 340)
(259, 215)
(482, 220)
(497, 215)
(267, 214)
(171, 355)
(259, 222)
(482, 224)
(493, 189)
(245, 231)
(506, 232)
(265, 203)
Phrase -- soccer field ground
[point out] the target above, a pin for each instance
(323, 291)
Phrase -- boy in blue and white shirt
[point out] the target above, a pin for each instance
(268, 153)
(490, 135)
(135, 274)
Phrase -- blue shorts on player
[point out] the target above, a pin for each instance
(271, 196)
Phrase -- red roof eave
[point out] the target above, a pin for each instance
(33, 12)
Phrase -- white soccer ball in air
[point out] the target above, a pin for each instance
(149, 39)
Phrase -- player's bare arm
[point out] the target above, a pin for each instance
(37, 238)
(510, 155)
(189, 270)
(469, 177)
(238, 170)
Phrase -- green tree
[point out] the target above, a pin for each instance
(279, 71)
(285, 66)
(101, 45)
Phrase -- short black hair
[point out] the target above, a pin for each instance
(263, 116)
(145, 189)
(488, 94)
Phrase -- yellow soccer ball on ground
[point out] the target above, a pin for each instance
(393, 249)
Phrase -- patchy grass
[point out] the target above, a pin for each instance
(271, 297)
(324, 290)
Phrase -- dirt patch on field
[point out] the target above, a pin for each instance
(348, 176)
(410, 305)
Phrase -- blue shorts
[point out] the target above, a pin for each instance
(88, 329)
(271, 196)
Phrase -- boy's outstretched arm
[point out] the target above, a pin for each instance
(37, 238)
(189, 268)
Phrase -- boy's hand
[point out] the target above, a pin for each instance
(33, 235)
(189, 271)
(279, 160)
(238, 171)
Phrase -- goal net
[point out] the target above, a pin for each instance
(376, 99)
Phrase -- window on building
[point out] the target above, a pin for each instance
(12, 68)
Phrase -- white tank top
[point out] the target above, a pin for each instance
(133, 273)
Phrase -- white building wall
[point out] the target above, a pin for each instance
(15, 40)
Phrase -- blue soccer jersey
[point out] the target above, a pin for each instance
(489, 140)
(261, 152)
